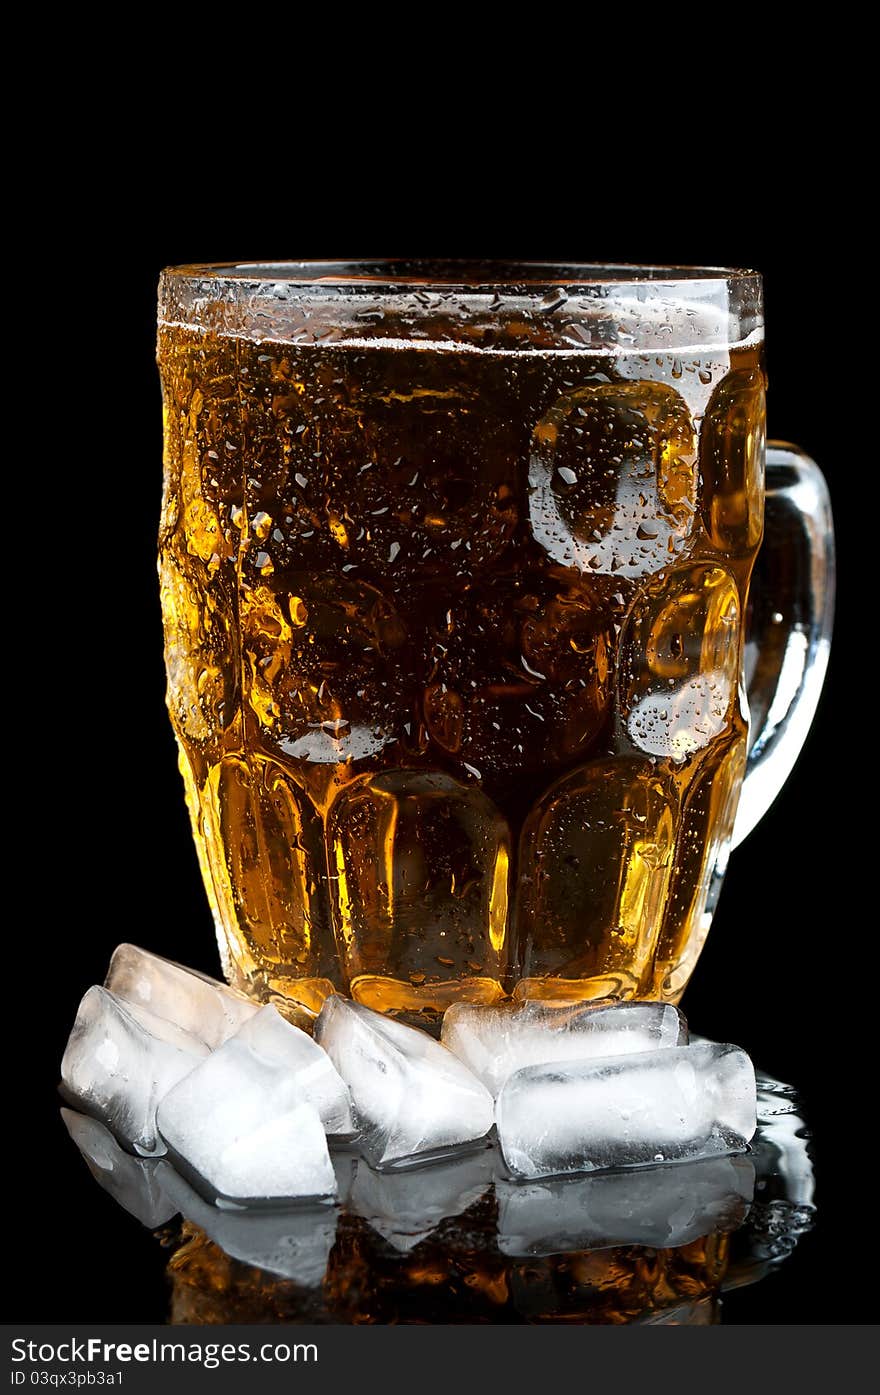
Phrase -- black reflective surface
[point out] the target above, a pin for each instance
(459, 1242)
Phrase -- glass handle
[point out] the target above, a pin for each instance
(789, 630)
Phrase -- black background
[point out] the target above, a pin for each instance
(790, 955)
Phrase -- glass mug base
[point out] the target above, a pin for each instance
(637, 934)
(454, 579)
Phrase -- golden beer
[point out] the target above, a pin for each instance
(453, 585)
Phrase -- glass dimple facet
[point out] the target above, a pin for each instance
(732, 462)
(198, 541)
(603, 838)
(323, 674)
(705, 830)
(679, 660)
(612, 478)
(420, 889)
(267, 845)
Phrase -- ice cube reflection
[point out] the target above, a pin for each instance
(664, 1207)
(458, 1242)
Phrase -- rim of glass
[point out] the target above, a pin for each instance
(443, 274)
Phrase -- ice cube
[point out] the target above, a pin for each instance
(295, 1245)
(242, 1128)
(405, 1207)
(130, 1181)
(167, 1031)
(494, 1042)
(411, 1096)
(117, 1070)
(656, 1106)
(268, 1162)
(287, 1048)
(661, 1206)
(197, 1003)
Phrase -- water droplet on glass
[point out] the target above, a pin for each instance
(552, 300)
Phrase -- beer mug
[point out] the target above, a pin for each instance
(471, 696)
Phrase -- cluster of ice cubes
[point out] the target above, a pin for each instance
(244, 1103)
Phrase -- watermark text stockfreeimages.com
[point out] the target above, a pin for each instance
(96, 1351)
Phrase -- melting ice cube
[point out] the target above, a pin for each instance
(411, 1096)
(496, 1041)
(115, 1068)
(281, 1045)
(193, 1001)
(247, 1123)
(577, 1116)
